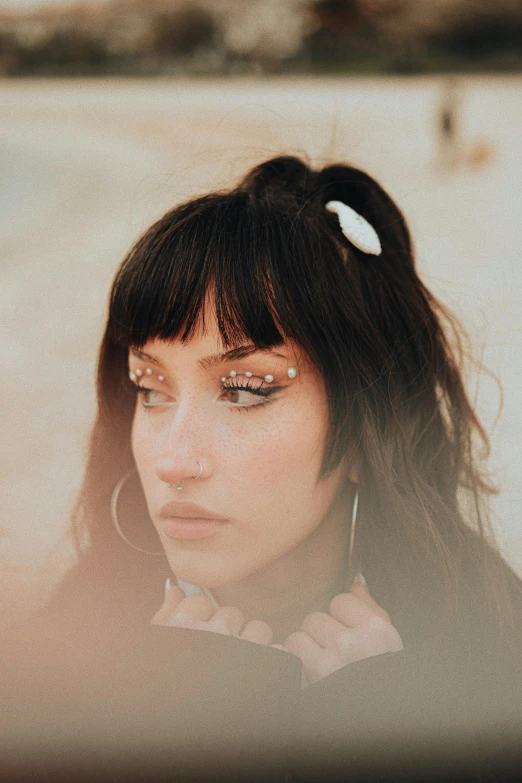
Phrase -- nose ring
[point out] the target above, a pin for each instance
(180, 487)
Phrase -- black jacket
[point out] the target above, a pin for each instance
(88, 697)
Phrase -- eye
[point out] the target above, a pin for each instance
(151, 397)
(246, 393)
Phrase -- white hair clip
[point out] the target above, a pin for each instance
(356, 228)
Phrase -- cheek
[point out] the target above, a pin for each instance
(281, 456)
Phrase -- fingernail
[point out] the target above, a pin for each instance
(168, 585)
(360, 579)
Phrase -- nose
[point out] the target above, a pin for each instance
(181, 454)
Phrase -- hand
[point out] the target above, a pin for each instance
(198, 613)
(356, 628)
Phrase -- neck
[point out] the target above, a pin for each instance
(303, 580)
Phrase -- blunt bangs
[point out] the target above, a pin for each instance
(255, 264)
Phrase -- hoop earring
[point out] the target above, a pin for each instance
(352, 526)
(114, 514)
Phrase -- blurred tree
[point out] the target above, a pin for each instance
(68, 50)
(11, 54)
(344, 35)
(264, 32)
(208, 36)
(480, 29)
(180, 31)
(337, 16)
(450, 29)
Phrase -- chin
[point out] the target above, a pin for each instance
(206, 569)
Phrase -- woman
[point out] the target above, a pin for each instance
(284, 435)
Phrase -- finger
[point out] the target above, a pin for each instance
(352, 611)
(361, 591)
(315, 659)
(173, 598)
(322, 628)
(226, 620)
(259, 632)
(191, 612)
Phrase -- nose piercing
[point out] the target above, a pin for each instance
(180, 487)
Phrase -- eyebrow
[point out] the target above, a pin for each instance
(242, 352)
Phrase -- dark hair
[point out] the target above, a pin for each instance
(275, 265)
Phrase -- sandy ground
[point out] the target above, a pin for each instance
(86, 165)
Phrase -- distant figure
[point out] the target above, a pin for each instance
(447, 125)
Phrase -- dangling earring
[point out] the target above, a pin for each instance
(352, 526)
(114, 514)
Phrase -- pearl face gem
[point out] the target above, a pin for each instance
(148, 371)
(292, 372)
(161, 378)
(248, 374)
(139, 373)
(132, 376)
(223, 380)
(233, 373)
(269, 378)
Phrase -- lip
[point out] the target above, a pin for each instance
(192, 529)
(190, 522)
(189, 511)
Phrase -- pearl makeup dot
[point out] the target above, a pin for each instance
(291, 372)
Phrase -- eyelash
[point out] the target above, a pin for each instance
(234, 383)
(260, 391)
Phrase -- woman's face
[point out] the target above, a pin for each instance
(260, 445)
